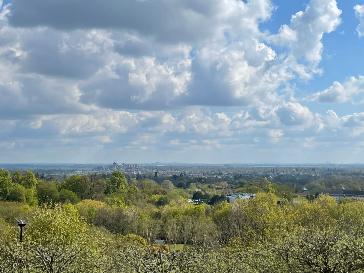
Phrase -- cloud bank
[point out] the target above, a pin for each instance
(158, 80)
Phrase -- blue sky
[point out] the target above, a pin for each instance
(254, 81)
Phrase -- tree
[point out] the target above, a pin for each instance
(13, 256)
(116, 183)
(167, 185)
(217, 199)
(28, 180)
(97, 188)
(67, 196)
(79, 185)
(47, 192)
(31, 196)
(89, 208)
(17, 193)
(57, 240)
(199, 195)
(5, 184)
(328, 251)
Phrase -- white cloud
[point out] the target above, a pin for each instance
(354, 120)
(137, 83)
(275, 135)
(166, 74)
(123, 68)
(113, 64)
(33, 95)
(238, 74)
(359, 12)
(165, 20)
(105, 139)
(304, 34)
(295, 114)
(196, 128)
(341, 92)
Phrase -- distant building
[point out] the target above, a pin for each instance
(159, 242)
(238, 196)
(115, 166)
(196, 201)
(340, 196)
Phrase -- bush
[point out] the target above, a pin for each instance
(17, 193)
(67, 196)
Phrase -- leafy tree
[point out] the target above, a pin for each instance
(162, 201)
(67, 196)
(13, 256)
(16, 177)
(116, 183)
(58, 241)
(217, 199)
(167, 185)
(117, 220)
(31, 196)
(47, 192)
(199, 195)
(17, 193)
(79, 185)
(88, 209)
(116, 200)
(5, 184)
(149, 187)
(97, 188)
(28, 180)
(327, 250)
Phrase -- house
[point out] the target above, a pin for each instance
(236, 196)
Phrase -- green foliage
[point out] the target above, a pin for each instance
(28, 180)
(116, 183)
(56, 241)
(31, 196)
(67, 196)
(116, 199)
(327, 250)
(167, 185)
(88, 209)
(17, 193)
(47, 193)
(18, 187)
(79, 185)
(5, 184)
(9, 211)
(113, 227)
(117, 220)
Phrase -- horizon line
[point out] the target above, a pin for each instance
(178, 163)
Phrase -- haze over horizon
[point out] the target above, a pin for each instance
(182, 81)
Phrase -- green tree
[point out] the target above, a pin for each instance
(31, 196)
(17, 193)
(88, 209)
(13, 256)
(328, 251)
(47, 192)
(28, 180)
(5, 184)
(78, 184)
(67, 196)
(57, 240)
(167, 185)
(116, 183)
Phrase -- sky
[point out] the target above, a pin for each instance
(193, 81)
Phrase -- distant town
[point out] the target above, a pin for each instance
(337, 180)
